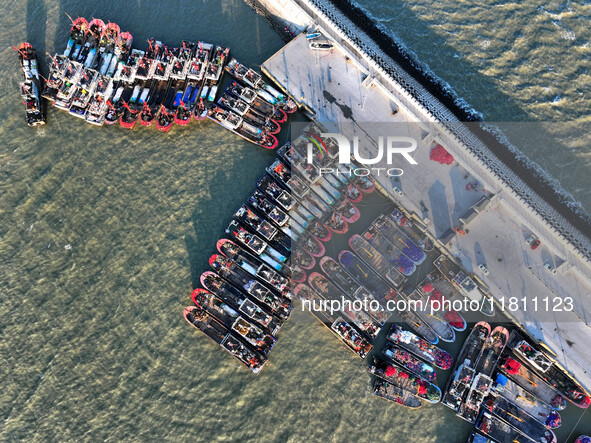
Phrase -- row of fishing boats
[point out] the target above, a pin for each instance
(509, 387)
(100, 78)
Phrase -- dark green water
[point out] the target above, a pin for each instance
(103, 234)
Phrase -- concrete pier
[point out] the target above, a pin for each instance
(347, 91)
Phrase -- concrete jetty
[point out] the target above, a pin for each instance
(347, 90)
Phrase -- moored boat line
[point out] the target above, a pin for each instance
(31, 86)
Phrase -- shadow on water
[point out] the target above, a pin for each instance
(36, 24)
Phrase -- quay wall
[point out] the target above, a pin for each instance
(421, 98)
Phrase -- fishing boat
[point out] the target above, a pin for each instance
(88, 53)
(460, 381)
(215, 67)
(116, 103)
(491, 351)
(313, 246)
(269, 187)
(347, 210)
(120, 54)
(269, 111)
(277, 98)
(270, 210)
(336, 223)
(254, 266)
(370, 255)
(238, 303)
(436, 300)
(366, 277)
(200, 61)
(97, 106)
(399, 240)
(31, 87)
(398, 376)
(107, 45)
(530, 381)
(322, 46)
(235, 275)
(477, 437)
(64, 95)
(409, 362)
(234, 290)
(303, 259)
(389, 391)
(345, 332)
(499, 430)
(479, 389)
(244, 74)
(341, 278)
(246, 94)
(420, 347)
(55, 78)
(222, 336)
(298, 275)
(379, 238)
(527, 402)
(543, 365)
(87, 83)
(519, 419)
(421, 308)
(253, 335)
(313, 35)
(76, 37)
(254, 243)
(237, 125)
(411, 231)
(583, 439)
(249, 218)
(162, 62)
(328, 291)
(320, 231)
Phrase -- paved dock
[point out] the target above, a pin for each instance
(340, 92)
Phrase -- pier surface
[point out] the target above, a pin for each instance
(343, 90)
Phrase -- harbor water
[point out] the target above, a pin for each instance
(104, 232)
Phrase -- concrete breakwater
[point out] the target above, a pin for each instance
(430, 101)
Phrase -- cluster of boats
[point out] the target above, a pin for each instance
(102, 79)
(509, 387)
(30, 86)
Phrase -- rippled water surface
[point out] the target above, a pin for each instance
(104, 232)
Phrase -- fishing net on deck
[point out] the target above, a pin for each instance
(440, 155)
(512, 366)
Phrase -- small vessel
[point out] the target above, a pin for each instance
(246, 216)
(244, 74)
(436, 300)
(543, 365)
(499, 430)
(254, 266)
(263, 205)
(235, 275)
(460, 381)
(235, 298)
(328, 291)
(345, 332)
(76, 38)
(268, 186)
(399, 240)
(379, 238)
(303, 259)
(242, 92)
(322, 46)
(364, 248)
(420, 347)
(313, 35)
(536, 408)
(237, 125)
(97, 106)
(215, 67)
(519, 419)
(253, 335)
(389, 391)
(254, 243)
(366, 277)
(491, 351)
(409, 361)
(31, 87)
(531, 382)
(341, 278)
(397, 375)
(200, 61)
(87, 82)
(217, 332)
(313, 246)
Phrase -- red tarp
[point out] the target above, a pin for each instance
(512, 366)
(440, 155)
(390, 371)
(427, 288)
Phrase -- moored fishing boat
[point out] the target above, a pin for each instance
(234, 290)
(313, 246)
(268, 186)
(491, 351)
(244, 74)
(421, 308)
(254, 266)
(263, 205)
(463, 373)
(303, 259)
(31, 87)
(345, 332)
(55, 77)
(236, 300)
(320, 231)
(399, 240)
(97, 106)
(255, 244)
(336, 223)
(253, 335)
(420, 347)
(366, 277)
(121, 53)
(536, 408)
(322, 46)
(76, 38)
(87, 83)
(389, 391)
(530, 381)
(222, 336)
(215, 67)
(498, 430)
(341, 278)
(245, 215)
(107, 45)
(479, 389)
(242, 92)
(237, 125)
(365, 249)
(519, 419)
(411, 231)
(328, 291)
(437, 301)
(199, 61)
(545, 366)
(64, 95)
(409, 361)
(395, 374)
